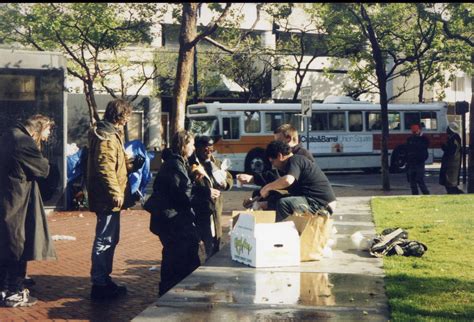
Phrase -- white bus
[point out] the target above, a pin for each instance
(344, 134)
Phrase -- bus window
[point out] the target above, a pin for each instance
(293, 119)
(429, 121)
(319, 121)
(230, 128)
(272, 121)
(411, 118)
(374, 121)
(337, 121)
(355, 121)
(252, 121)
(394, 121)
(204, 126)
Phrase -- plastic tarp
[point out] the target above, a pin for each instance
(138, 180)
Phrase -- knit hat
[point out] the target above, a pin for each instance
(453, 126)
(415, 128)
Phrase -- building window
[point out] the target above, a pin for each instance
(457, 85)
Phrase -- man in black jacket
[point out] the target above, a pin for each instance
(417, 153)
(209, 180)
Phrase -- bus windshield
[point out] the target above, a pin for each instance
(204, 126)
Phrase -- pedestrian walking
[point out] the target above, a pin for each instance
(24, 233)
(417, 152)
(172, 217)
(210, 179)
(107, 168)
(451, 160)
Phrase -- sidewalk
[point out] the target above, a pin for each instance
(63, 286)
(348, 286)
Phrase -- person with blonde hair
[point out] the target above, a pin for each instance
(172, 217)
(24, 233)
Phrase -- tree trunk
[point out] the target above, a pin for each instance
(382, 84)
(185, 64)
(420, 90)
(91, 103)
(470, 160)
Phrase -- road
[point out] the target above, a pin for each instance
(352, 184)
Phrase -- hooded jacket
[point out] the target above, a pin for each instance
(106, 167)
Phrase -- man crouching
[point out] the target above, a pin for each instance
(308, 187)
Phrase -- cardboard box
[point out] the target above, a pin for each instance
(257, 240)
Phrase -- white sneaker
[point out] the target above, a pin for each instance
(3, 296)
(20, 299)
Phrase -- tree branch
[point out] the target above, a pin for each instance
(212, 27)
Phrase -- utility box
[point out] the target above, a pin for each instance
(258, 241)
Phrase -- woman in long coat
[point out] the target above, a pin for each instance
(172, 216)
(24, 232)
(451, 160)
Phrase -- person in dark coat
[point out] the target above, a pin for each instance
(417, 153)
(24, 234)
(451, 160)
(172, 217)
(210, 179)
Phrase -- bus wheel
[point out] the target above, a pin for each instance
(398, 159)
(255, 162)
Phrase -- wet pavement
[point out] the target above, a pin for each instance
(347, 286)
(63, 286)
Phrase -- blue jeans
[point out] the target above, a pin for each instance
(107, 235)
(287, 205)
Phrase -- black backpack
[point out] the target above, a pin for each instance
(394, 241)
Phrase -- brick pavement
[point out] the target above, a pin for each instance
(63, 286)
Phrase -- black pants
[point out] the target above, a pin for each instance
(12, 275)
(211, 243)
(416, 177)
(180, 256)
(453, 190)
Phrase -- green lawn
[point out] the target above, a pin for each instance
(440, 285)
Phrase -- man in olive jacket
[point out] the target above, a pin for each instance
(107, 168)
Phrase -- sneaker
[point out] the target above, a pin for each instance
(28, 281)
(20, 299)
(120, 289)
(108, 292)
(3, 296)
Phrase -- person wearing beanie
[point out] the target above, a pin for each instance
(451, 160)
(417, 153)
(210, 177)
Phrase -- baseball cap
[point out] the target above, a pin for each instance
(203, 141)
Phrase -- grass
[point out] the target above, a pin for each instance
(440, 285)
